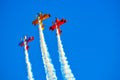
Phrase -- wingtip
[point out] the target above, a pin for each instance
(33, 38)
(65, 20)
(49, 15)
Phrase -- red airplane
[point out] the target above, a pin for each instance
(27, 40)
(41, 17)
(57, 25)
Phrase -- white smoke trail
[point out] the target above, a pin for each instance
(29, 69)
(49, 68)
(65, 68)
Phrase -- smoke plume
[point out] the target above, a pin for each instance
(65, 68)
(29, 68)
(49, 68)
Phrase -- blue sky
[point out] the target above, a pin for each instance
(91, 38)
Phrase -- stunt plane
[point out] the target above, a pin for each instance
(40, 17)
(57, 25)
(26, 39)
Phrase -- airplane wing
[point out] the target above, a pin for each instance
(29, 39)
(62, 21)
(57, 23)
(35, 22)
(21, 44)
(53, 27)
(45, 16)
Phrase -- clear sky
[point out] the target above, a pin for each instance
(91, 38)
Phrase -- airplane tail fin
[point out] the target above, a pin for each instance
(59, 31)
(27, 47)
(42, 26)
